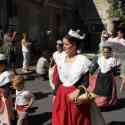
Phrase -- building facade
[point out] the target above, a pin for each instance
(48, 20)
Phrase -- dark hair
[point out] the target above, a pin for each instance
(45, 54)
(107, 47)
(73, 40)
(9, 31)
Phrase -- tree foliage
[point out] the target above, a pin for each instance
(117, 11)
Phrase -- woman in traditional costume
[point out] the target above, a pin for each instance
(105, 86)
(53, 73)
(5, 100)
(73, 71)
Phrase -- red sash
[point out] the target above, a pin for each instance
(2, 95)
(21, 108)
(55, 77)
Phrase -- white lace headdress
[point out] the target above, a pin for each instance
(76, 34)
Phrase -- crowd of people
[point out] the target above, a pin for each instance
(70, 74)
(75, 75)
(10, 79)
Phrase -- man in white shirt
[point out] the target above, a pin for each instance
(42, 65)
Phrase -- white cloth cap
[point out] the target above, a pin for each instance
(76, 34)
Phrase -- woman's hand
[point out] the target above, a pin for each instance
(81, 99)
(72, 96)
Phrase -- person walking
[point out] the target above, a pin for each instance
(73, 71)
(106, 66)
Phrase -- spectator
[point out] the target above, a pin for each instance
(9, 43)
(53, 67)
(104, 37)
(42, 65)
(26, 52)
(1, 34)
(59, 48)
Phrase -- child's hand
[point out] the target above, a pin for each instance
(26, 107)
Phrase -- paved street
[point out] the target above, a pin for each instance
(41, 110)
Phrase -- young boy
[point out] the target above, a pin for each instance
(24, 99)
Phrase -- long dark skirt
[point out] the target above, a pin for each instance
(105, 89)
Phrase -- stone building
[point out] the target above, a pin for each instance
(3, 13)
(56, 17)
(103, 8)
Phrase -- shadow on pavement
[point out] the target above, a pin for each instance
(32, 109)
(119, 105)
(33, 76)
(29, 77)
(116, 123)
(40, 95)
(25, 73)
(39, 119)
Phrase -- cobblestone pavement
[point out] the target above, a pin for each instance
(40, 113)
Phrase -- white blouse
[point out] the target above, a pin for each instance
(57, 55)
(5, 78)
(70, 73)
(106, 65)
(24, 48)
(23, 97)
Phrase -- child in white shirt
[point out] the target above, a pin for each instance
(24, 99)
